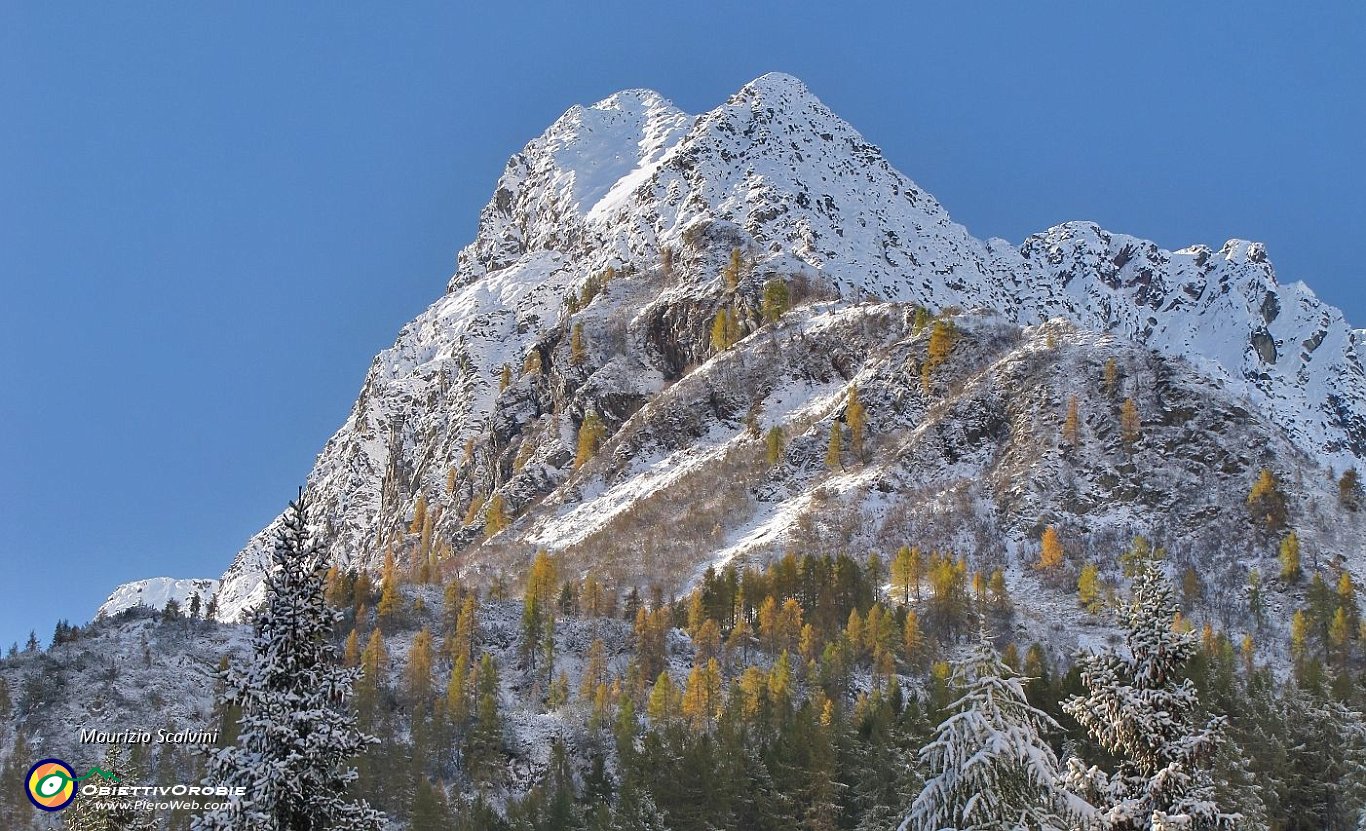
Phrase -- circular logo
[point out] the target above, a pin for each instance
(51, 784)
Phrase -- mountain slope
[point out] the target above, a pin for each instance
(634, 208)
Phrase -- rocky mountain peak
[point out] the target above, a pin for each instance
(618, 222)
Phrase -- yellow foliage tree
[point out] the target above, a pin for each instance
(351, 654)
(1266, 503)
(835, 447)
(390, 601)
(591, 433)
(1130, 425)
(1071, 424)
(1089, 589)
(702, 694)
(731, 273)
(942, 339)
(495, 515)
(664, 699)
(857, 419)
(418, 674)
(1290, 557)
(1051, 554)
(578, 348)
(773, 445)
(1111, 378)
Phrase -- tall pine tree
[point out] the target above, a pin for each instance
(1140, 708)
(989, 767)
(297, 732)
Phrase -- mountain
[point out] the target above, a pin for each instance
(155, 593)
(596, 279)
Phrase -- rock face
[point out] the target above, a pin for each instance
(594, 285)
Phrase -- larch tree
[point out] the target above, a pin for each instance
(774, 442)
(989, 766)
(943, 335)
(1141, 708)
(1266, 503)
(298, 734)
(902, 573)
(1051, 554)
(777, 299)
(1110, 380)
(390, 601)
(734, 267)
(1071, 423)
(857, 419)
(1289, 556)
(1089, 588)
(495, 515)
(578, 346)
(1130, 424)
(591, 433)
(835, 447)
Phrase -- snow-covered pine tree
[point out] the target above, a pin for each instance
(989, 767)
(1140, 708)
(297, 732)
(106, 814)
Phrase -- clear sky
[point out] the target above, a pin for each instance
(212, 216)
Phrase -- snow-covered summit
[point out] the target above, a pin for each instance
(155, 593)
(774, 172)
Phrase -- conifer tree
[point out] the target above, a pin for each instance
(419, 515)
(495, 515)
(664, 699)
(989, 766)
(1071, 424)
(773, 445)
(591, 433)
(777, 299)
(297, 733)
(1110, 382)
(1142, 709)
(418, 673)
(484, 744)
(1290, 557)
(1051, 555)
(725, 329)
(1130, 426)
(351, 652)
(902, 575)
(834, 448)
(1349, 489)
(538, 608)
(390, 601)
(1088, 588)
(578, 348)
(1266, 503)
(731, 273)
(942, 338)
(857, 420)
(109, 814)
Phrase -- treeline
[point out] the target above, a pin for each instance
(802, 696)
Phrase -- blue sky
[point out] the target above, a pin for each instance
(213, 215)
